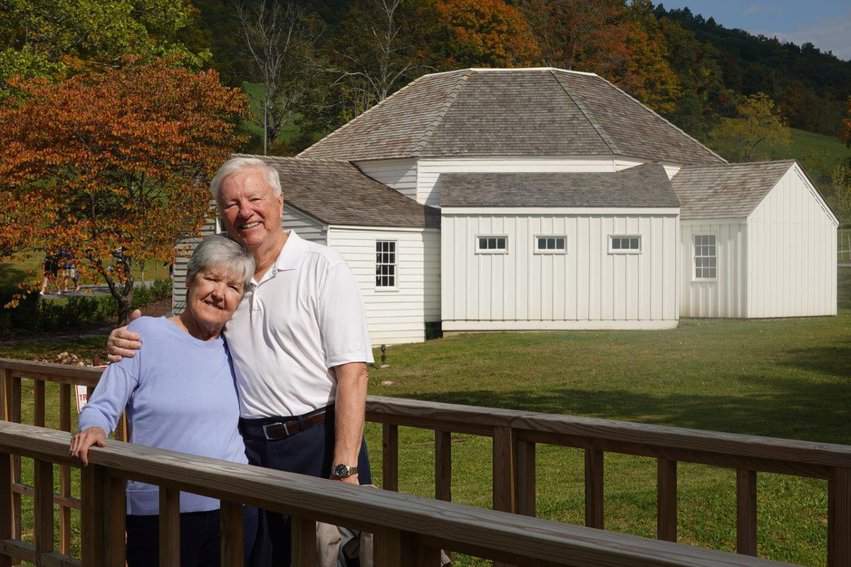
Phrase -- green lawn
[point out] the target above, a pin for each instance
(783, 378)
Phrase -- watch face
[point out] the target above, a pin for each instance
(341, 471)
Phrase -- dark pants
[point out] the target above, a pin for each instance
(308, 452)
(199, 538)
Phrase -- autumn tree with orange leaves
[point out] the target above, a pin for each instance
(113, 165)
(486, 33)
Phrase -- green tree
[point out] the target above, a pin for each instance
(757, 130)
(47, 37)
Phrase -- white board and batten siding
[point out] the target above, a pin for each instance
(792, 252)
(585, 288)
(428, 170)
(725, 295)
(394, 315)
(305, 226)
(400, 174)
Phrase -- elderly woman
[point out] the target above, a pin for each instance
(180, 395)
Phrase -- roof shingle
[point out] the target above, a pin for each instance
(337, 192)
(511, 112)
(641, 186)
(727, 190)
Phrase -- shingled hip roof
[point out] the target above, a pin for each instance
(338, 193)
(726, 191)
(644, 186)
(511, 112)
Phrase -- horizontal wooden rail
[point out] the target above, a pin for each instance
(404, 525)
(515, 434)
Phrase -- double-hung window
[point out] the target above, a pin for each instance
(625, 244)
(492, 244)
(385, 264)
(705, 257)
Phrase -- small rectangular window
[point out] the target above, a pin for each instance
(625, 244)
(385, 264)
(705, 257)
(492, 244)
(550, 244)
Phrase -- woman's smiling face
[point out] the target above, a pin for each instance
(213, 296)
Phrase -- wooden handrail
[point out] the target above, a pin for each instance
(515, 435)
(487, 533)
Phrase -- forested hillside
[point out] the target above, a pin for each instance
(309, 66)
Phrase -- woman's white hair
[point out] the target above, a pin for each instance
(221, 251)
(233, 165)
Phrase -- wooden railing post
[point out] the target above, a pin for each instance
(666, 499)
(390, 456)
(503, 470)
(526, 489)
(594, 488)
(6, 530)
(117, 521)
(39, 398)
(746, 512)
(65, 472)
(233, 536)
(13, 397)
(43, 509)
(303, 534)
(443, 465)
(839, 518)
(93, 514)
(169, 526)
(393, 548)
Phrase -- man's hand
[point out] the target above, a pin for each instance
(81, 442)
(348, 480)
(123, 343)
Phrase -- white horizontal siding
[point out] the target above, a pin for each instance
(428, 170)
(400, 174)
(792, 252)
(587, 284)
(726, 296)
(305, 226)
(398, 315)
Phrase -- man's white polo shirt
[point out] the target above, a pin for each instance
(302, 318)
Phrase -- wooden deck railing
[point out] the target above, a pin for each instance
(408, 531)
(516, 434)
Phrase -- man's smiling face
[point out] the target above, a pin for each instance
(250, 208)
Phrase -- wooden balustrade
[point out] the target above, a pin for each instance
(515, 435)
(408, 530)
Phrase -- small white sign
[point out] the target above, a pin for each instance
(82, 396)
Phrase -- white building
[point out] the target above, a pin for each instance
(507, 199)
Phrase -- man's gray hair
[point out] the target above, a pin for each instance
(221, 251)
(233, 165)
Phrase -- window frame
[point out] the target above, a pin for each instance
(498, 251)
(613, 250)
(694, 257)
(537, 250)
(395, 264)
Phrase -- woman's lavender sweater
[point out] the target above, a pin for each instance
(180, 395)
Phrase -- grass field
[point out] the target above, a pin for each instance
(783, 378)
(818, 153)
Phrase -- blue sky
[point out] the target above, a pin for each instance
(824, 23)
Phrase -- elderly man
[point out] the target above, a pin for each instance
(298, 341)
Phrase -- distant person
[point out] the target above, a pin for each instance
(69, 271)
(50, 269)
(180, 395)
(300, 347)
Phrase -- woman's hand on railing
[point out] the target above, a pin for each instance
(81, 442)
(123, 343)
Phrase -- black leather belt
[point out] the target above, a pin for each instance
(277, 428)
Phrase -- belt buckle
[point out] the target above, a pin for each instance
(275, 431)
